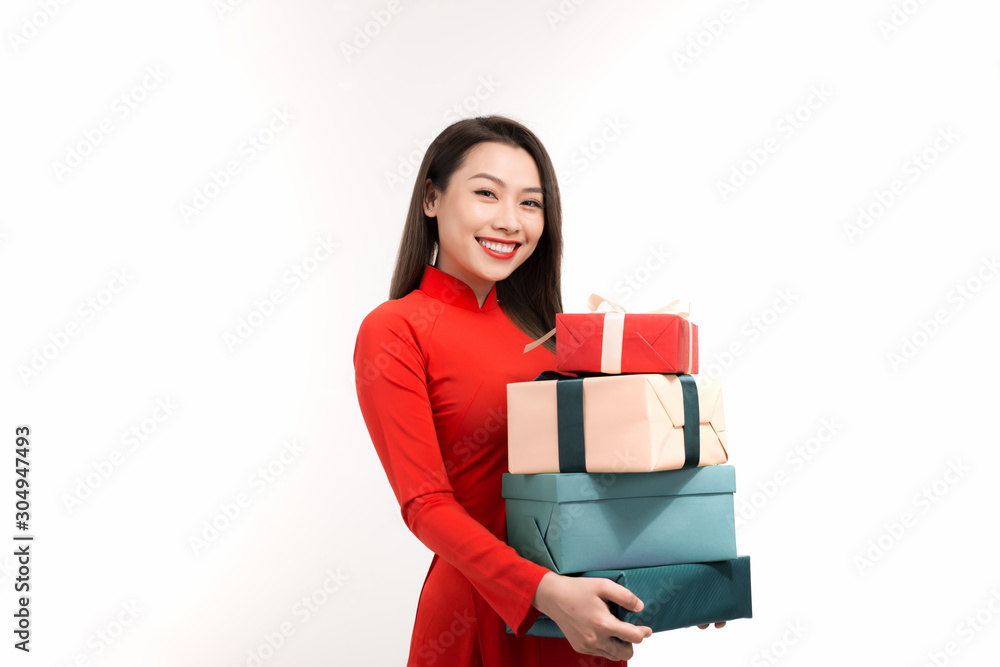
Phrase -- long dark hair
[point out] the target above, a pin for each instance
(531, 295)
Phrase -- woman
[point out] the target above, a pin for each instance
(476, 278)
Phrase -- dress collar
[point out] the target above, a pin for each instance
(449, 289)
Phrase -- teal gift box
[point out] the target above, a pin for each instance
(575, 522)
(676, 596)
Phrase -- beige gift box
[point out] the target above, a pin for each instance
(631, 423)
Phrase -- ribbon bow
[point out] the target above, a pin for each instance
(614, 327)
(675, 307)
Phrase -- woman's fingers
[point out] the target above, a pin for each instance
(619, 650)
(626, 599)
(605, 646)
(721, 624)
(627, 632)
(621, 596)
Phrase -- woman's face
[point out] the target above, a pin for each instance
(491, 216)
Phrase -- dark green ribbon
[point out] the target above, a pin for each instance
(692, 421)
(569, 420)
(569, 413)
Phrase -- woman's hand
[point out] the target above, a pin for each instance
(579, 607)
(718, 625)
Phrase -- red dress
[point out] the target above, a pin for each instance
(431, 371)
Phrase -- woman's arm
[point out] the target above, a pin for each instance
(396, 409)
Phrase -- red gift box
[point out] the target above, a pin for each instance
(623, 343)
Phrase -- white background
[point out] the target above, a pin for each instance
(672, 132)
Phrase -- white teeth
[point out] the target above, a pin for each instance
(498, 247)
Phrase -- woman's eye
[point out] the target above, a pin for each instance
(535, 204)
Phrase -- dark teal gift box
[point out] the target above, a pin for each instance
(676, 596)
(576, 522)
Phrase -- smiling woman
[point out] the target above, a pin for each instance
(477, 270)
(531, 295)
(487, 228)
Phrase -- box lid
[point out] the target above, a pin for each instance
(584, 486)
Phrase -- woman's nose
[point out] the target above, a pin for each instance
(507, 218)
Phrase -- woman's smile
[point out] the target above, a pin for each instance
(498, 248)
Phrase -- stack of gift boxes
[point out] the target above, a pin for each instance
(617, 471)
